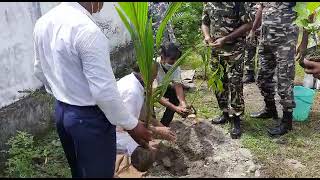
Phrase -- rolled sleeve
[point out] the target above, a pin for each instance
(245, 13)
(176, 76)
(93, 50)
(205, 15)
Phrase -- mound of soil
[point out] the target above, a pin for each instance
(202, 150)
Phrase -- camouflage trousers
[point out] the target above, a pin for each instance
(249, 61)
(231, 99)
(277, 59)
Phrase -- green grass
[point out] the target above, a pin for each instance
(36, 158)
(301, 144)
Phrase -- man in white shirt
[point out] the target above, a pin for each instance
(72, 60)
(131, 89)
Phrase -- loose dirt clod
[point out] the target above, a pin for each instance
(202, 150)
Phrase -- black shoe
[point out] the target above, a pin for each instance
(222, 119)
(249, 77)
(265, 114)
(270, 111)
(236, 130)
(284, 127)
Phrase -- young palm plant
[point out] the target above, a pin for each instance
(134, 15)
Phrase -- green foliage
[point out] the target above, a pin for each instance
(28, 158)
(22, 153)
(214, 81)
(187, 23)
(304, 11)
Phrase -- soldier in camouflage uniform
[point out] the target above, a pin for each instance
(276, 52)
(250, 52)
(157, 11)
(224, 25)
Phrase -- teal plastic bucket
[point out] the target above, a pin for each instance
(304, 99)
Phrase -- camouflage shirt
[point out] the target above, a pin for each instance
(224, 17)
(157, 11)
(277, 21)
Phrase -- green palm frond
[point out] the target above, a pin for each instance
(134, 15)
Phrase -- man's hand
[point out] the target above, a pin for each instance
(218, 43)
(312, 67)
(183, 104)
(207, 40)
(166, 133)
(251, 36)
(141, 134)
(182, 111)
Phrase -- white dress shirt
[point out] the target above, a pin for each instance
(132, 94)
(72, 59)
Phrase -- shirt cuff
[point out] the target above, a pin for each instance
(131, 123)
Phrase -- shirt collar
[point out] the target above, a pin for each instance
(77, 6)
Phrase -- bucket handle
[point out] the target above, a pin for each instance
(305, 100)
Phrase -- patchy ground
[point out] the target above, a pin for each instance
(203, 150)
(206, 150)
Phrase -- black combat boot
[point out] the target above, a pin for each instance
(285, 125)
(249, 77)
(222, 119)
(236, 130)
(270, 111)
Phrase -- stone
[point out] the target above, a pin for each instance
(252, 168)
(245, 153)
(187, 75)
(192, 116)
(166, 162)
(257, 173)
(295, 164)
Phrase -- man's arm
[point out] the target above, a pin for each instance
(205, 27)
(165, 102)
(180, 94)
(94, 53)
(246, 21)
(238, 32)
(257, 19)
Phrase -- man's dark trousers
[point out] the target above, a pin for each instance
(88, 140)
(168, 114)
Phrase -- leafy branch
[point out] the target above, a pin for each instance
(308, 17)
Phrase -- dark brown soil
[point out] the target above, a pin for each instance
(202, 150)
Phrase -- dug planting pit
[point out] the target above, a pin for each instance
(202, 150)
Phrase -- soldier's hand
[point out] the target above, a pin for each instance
(312, 67)
(218, 43)
(251, 36)
(207, 40)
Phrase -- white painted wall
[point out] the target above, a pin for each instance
(17, 20)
